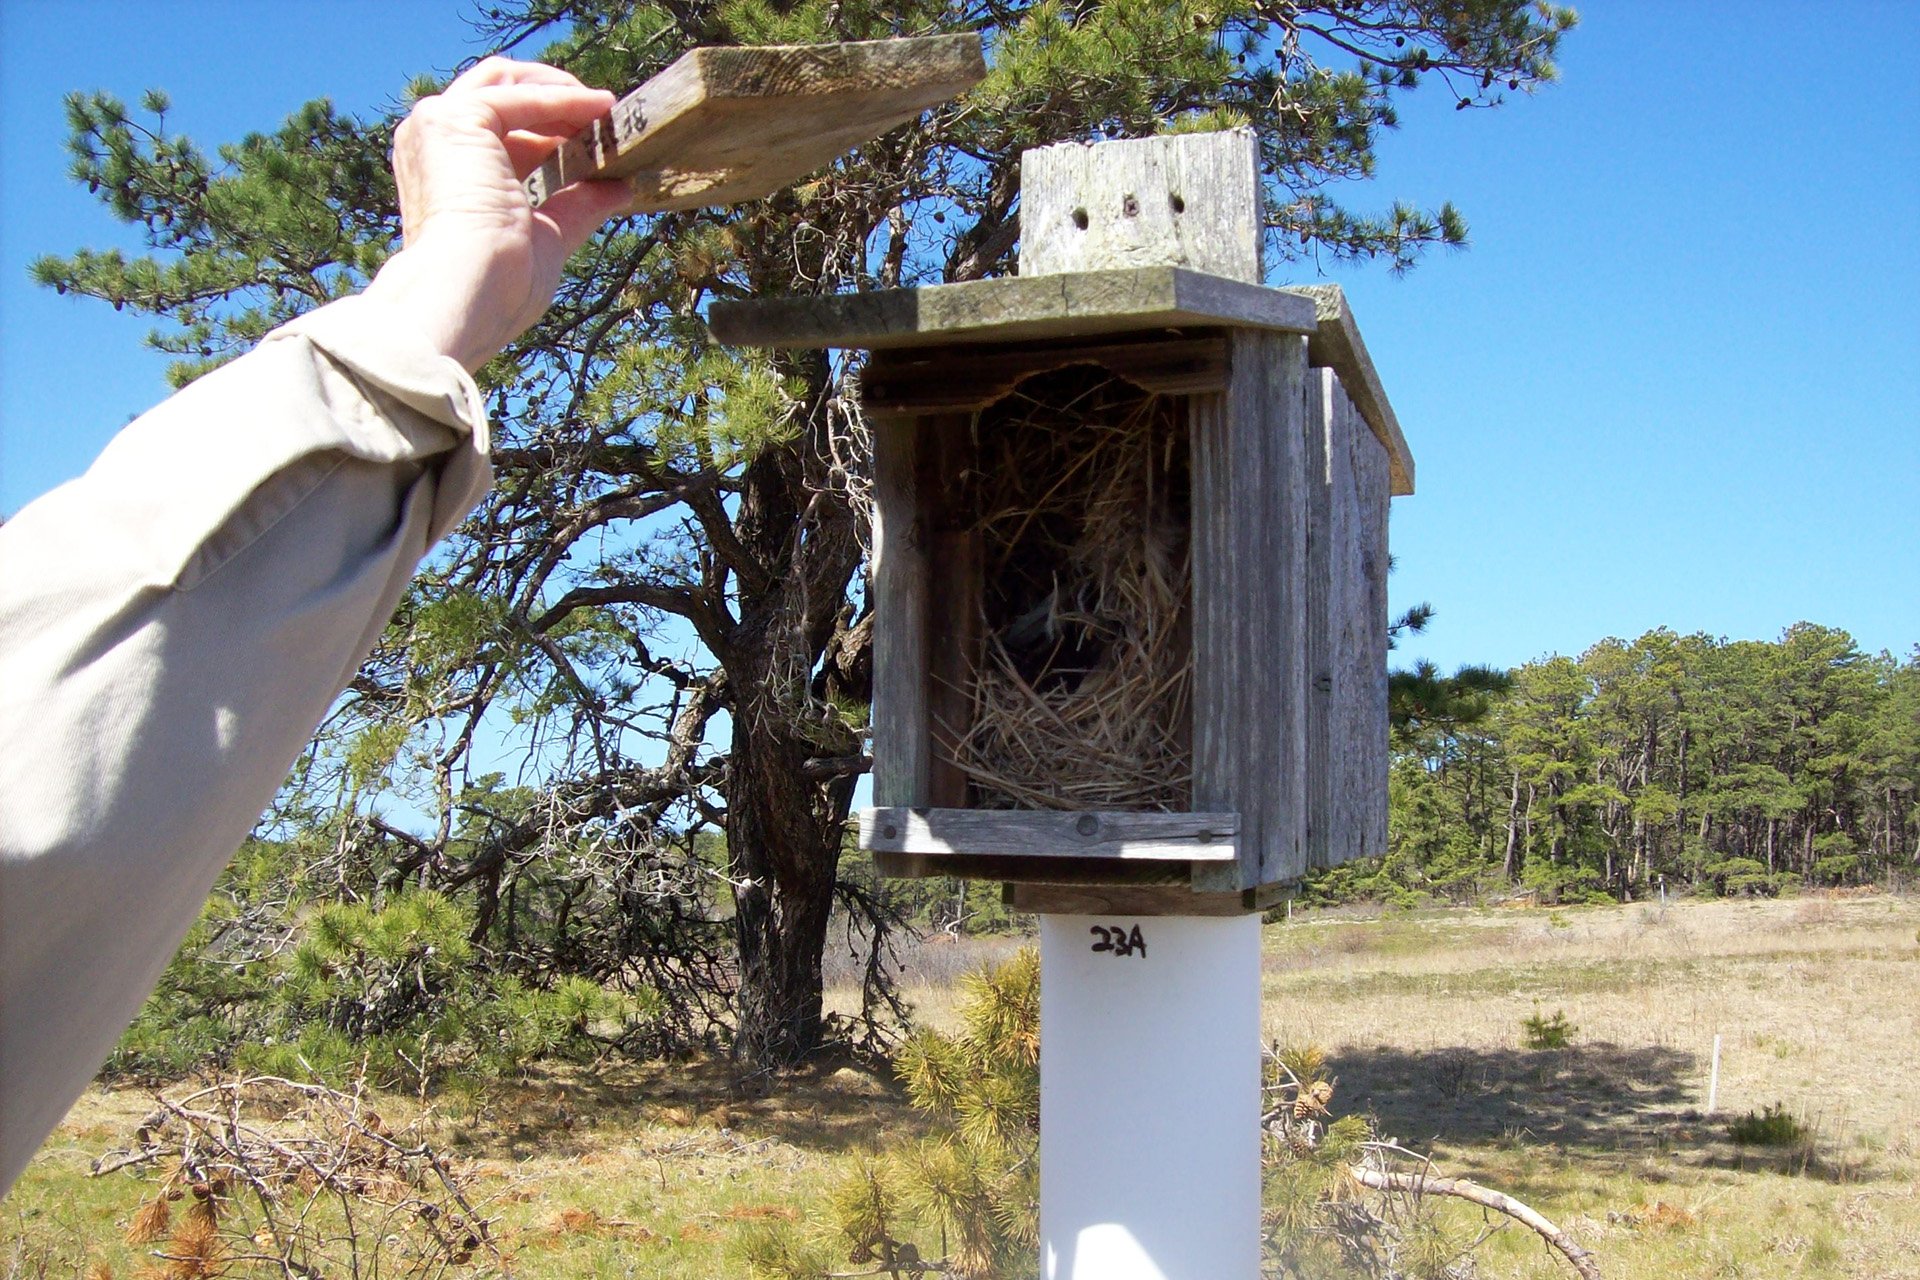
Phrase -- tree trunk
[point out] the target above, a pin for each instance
(1510, 866)
(784, 818)
(783, 859)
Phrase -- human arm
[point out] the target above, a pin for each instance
(175, 622)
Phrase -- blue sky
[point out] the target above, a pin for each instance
(1673, 381)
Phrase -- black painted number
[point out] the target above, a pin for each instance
(1120, 940)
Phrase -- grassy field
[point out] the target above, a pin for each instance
(659, 1171)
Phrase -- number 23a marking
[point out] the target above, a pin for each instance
(1119, 940)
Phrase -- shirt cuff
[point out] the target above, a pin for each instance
(373, 345)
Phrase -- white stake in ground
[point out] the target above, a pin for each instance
(1149, 1098)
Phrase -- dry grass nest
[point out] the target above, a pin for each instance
(1082, 695)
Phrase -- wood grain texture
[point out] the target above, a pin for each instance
(1073, 304)
(1191, 200)
(722, 125)
(1173, 873)
(1366, 726)
(1142, 900)
(1347, 629)
(1250, 608)
(1123, 835)
(1337, 345)
(901, 583)
(947, 451)
(970, 378)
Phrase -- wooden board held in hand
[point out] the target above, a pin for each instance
(723, 125)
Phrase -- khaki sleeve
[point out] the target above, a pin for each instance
(173, 625)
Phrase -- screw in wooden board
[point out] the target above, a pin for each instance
(1087, 825)
(891, 833)
(1130, 207)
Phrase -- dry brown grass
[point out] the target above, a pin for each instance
(930, 969)
(1081, 695)
(1817, 1003)
(658, 1171)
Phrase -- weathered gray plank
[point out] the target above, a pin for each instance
(1020, 833)
(1130, 900)
(901, 582)
(722, 125)
(1347, 628)
(1337, 345)
(1032, 869)
(1249, 601)
(1192, 200)
(947, 451)
(1365, 735)
(1073, 304)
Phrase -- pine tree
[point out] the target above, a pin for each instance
(964, 1202)
(661, 601)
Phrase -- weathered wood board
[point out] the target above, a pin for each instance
(1131, 900)
(1191, 200)
(1336, 345)
(1250, 609)
(1347, 629)
(723, 125)
(1123, 835)
(1074, 304)
(902, 762)
(1169, 876)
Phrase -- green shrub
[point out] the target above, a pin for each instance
(394, 992)
(1773, 1126)
(969, 1195)
(1542, 1031)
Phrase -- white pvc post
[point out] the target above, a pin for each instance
(1149, 1098)
(1713, 1081)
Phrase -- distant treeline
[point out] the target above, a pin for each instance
(1730, 767)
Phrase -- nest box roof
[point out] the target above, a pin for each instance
(1078, 304)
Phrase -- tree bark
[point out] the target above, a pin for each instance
(1511, 864)
(784, 859)
(784, 820)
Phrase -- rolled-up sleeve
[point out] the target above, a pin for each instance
(173, 625)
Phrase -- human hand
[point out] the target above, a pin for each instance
(479, 265)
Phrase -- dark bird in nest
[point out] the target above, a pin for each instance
(1052, 648)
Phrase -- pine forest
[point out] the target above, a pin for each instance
(1724, 767)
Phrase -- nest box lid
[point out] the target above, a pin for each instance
(1118, 237)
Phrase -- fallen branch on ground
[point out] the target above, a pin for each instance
(1474, 1193)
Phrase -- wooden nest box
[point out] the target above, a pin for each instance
(1130, 548)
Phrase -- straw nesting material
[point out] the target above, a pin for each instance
(1082, 695)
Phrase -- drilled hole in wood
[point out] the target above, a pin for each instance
(1080, 219)
(1179, 205)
